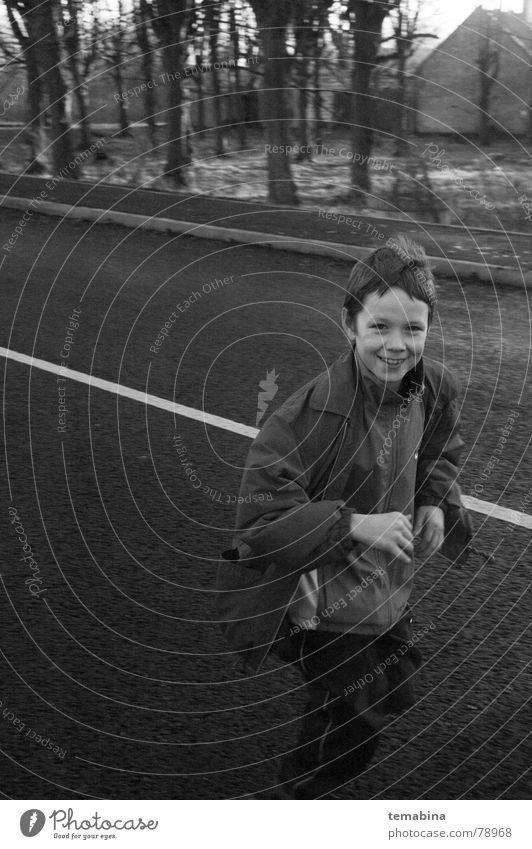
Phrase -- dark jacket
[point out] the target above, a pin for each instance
(304, 456)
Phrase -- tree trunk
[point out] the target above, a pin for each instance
(528, 132)
(484, 129)
(237, 92)
(401, 147)
(302, 97)
(272, 17)
(118, 63)
(123, 106)
(73, 46)
(34, 135)
(35, 127)
(80, 94)
(318, 100)
(200, 100)
(320, 12)
(123, 111)
(302, 41)
(170, 26)
(176, 153)
(367, 33)
(41, 22)
(142, 16)
(212, 24)
(488, 66)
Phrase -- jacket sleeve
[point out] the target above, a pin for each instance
(439, 455)
(275, 516)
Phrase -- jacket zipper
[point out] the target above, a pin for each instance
(392, 480)
(344, 434)
(345, 427)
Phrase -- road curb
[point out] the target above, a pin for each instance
(462, 270)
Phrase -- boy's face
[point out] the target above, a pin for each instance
(389, 334)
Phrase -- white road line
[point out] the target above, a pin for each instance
(494, 511)
(132, 394)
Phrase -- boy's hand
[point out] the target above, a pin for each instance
(429, 526)
(390, 532)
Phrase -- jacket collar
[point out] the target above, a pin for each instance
(333, 390)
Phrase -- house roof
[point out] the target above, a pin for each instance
(512, 24)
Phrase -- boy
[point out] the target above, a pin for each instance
(361, 461)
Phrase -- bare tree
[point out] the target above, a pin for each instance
(310, 19)
(81, 42)
(302, 10)
(366, 17)
(321, 24)
(35, 133)
(405, 22)
(170, 23)
(238, 99)
(196, 35)
(488, 63)
(272, 19)
(212, 28)
(115, 45)
(143, 13)
(35, 24)
(246, 48)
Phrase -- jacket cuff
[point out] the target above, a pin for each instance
(340, 533)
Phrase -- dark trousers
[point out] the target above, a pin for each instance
(354, 683)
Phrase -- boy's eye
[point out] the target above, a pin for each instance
(379, 325)
(414, 327)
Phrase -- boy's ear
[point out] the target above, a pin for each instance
(346, 324)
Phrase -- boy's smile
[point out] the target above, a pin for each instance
(389, 334)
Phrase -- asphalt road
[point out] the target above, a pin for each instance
(117, 660)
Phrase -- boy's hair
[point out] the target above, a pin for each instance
(402, 263)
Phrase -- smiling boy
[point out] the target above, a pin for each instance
(388, 331)
(361, 461)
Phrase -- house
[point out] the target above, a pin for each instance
(479, 78)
